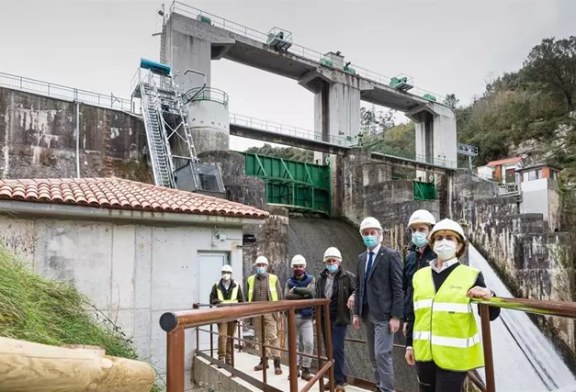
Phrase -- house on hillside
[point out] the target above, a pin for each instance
(502, 171)
(539, 187)
(135, 250)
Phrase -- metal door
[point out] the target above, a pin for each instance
(209, 272)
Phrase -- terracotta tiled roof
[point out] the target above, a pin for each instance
(116, 193)
(504, 161)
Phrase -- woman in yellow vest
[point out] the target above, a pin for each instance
(442, 337)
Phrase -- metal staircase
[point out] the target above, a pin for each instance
(158, 145)
(170, 145)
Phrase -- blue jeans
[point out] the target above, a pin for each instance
(338, 337)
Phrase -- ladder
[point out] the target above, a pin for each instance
(158, 144)
(166, 130)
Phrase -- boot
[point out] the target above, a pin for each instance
(229, 361)
(297, 374)
(306, 375)
(261, 365)
(277, 368)
(340, 388)
(220, 359)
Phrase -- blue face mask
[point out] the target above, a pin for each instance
(332, 267)
(419, 239)
(370, 241)
(260, 270)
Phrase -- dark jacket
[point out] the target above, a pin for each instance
(414, 261)
(344, 287)
(303, 289)
(227, 293)
(384, 285)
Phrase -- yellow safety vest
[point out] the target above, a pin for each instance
(273, 293)
(233, 296)
(445, 330)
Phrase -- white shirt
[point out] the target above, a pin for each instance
(445, 264)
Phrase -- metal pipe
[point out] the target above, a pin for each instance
(292, 348)
(328, 331)
(193, 318)
(263, 357)
(77, 139)
(175, 360)
(212, 338)
(318, 316)
(487, 342)
(318, 376)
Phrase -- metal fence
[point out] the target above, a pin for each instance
(66, 93)
(295, 49)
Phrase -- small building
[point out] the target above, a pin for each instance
(539, 188)
(502, 171)
(135, 250)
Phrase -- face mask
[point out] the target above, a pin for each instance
(298, 272)
(260, 270)
(419, 239)
(226, 277)
(332, 267)
(370, 241)
(445, 249)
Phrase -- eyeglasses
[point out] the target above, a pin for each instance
(331, 261)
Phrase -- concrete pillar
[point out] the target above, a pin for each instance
(435, 134)
(183, 51)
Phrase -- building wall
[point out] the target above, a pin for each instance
(368, 189)
(38, 139)
(133, 273)
(534, 262)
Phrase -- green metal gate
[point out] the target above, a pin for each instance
(296, 185)
(424, 190)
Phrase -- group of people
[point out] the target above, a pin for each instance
(428, 295)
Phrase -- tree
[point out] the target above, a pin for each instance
(373, 122)
(552, 66)
(451, 101)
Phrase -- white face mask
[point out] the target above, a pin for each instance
(445, 249)
(226, 277)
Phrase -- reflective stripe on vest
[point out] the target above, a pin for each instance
(273, 293)
(233, 296)
(445, 330)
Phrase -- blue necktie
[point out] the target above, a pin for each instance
(368, 268)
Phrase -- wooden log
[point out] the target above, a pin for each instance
(33, 367)
(126, 375)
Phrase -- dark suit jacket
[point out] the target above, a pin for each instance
(385, 295)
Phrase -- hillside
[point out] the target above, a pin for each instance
(42, 311)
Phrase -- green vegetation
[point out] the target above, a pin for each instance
(290, 153)
(48, 312)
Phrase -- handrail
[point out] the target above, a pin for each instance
(295, 49)
(59, 91)
(175, 323)
(542, 307)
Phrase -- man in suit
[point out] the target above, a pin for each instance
(378, 303)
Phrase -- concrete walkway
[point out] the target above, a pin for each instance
(245, 362)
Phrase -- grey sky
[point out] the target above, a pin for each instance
(446, 45)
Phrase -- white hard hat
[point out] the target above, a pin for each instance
(261, 260)
(370, 223)
(226, 268)
(332, 253)
(421, 216)
(298, 260)
(448, 224)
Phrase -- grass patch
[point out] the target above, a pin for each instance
(49, 312)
